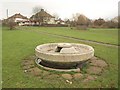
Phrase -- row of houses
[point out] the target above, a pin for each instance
(40, 18)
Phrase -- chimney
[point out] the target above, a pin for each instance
(42, 9)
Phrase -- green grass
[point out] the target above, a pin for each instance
(100, 35)
(18, 44)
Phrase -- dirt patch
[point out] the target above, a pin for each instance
(25, 67)
(67, 76)
(99, 63)
(94, 70)
(35, 71)
(45, 73)
(78, 76)
(28, 62)
(52, 76)
(89, 78)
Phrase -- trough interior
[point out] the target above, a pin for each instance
(57, 65)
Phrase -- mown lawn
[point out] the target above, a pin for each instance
(20, 43)
(100, 35)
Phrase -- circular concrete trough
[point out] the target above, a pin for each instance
(63, 55)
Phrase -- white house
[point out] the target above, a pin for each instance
(19, 19)
(42, 17)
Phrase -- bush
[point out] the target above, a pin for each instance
(82, 22)
(99, 22)
(110, 24)
(11, 25)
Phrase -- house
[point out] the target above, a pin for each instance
(68, 22)
(60, 21)
(42, 18)
(19, 19)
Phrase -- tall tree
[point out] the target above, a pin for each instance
(75, 16)
(82, 20)
(99, 22)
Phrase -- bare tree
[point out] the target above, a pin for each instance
(75, 16)
(82, 20)
(11, 24)
(110, 24)
(36, 9)
(66, 19)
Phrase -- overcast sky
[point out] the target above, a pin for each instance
(93, 9)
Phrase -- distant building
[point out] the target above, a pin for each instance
(19, 19)
(59, 21)
(42, 17)
(67, 22)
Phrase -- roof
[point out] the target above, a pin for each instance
(42, 13)
(60, 20)
(18, 16)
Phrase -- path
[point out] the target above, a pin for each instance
(78, 39)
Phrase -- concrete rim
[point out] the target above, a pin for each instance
(69, 57)
(53, 69)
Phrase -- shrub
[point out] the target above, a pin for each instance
(99, 22)
(11, 24)
(110, 24)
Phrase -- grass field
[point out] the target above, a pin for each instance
(20, 43)
(100, 35)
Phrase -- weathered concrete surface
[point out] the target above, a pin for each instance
(70, 50)
(71, 54)
(60, 70)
